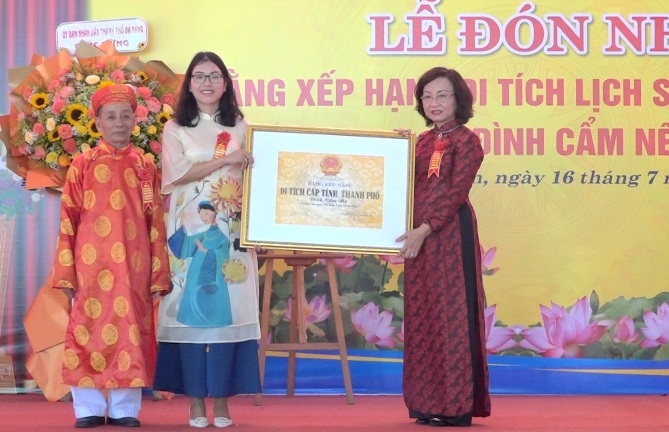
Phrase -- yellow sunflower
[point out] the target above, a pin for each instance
(142, 76)
(81, 129)
(93, 129)
(53, 136)
(75, 113)
(163, 117)
(227, 193)
(105, 83)
(39, 100)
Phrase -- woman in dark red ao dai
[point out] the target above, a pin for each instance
(445, 380)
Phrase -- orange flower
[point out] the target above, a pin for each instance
(63, 161)
(227, 193)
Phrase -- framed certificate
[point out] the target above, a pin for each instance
(327, 190)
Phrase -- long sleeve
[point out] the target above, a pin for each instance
(160, 273)
(71, 204)
(175, 164)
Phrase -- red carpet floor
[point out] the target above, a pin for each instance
(19, 413)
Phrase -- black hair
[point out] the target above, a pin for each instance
(187, 114)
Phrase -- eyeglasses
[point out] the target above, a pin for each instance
(214, 77)
(441, 98)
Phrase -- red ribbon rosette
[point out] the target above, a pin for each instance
(222, 141)
(440, 145)
(144, 174)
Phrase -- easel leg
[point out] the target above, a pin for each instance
(264, 325)
(296, 330)
(339, 329)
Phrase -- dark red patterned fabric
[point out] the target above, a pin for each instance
(445, 367)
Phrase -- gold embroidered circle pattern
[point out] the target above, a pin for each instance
(102, 173)
(130, 177)
(137, 261)
(66, 258)
(121, 306)
(117, 199)
(64, 284)
(98, 361)
(146, 322)
(81, 335)
(118, 252)
(70, 359)
(134, 334)
(123, 361)
(110, 334)
(93, 308)
(72, 173)
(137, 382)
(154, 234)
(106, 280)
(111, 383)
(88, 253)
(155, 264)
(103, 226)
(130, 229)
(86, 382)
(65, 198)
(66, 227)
(89, 199)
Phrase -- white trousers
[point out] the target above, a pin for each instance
(123, 402)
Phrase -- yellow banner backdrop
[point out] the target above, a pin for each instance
(570, 104)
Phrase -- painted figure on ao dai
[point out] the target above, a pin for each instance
(206, 300)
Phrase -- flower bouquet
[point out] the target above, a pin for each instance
(51, 121)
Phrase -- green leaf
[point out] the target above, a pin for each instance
(350, 301)
(621, 306)
(395, 305)
(282, 285)
(374, 269)
(596, 350)
(355, 340)
(662, 353)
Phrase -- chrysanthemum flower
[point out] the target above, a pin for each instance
(51, 157)
(63, 161)
(226, 193)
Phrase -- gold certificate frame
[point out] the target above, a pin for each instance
(327, 190)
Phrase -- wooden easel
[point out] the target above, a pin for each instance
(298, 329)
